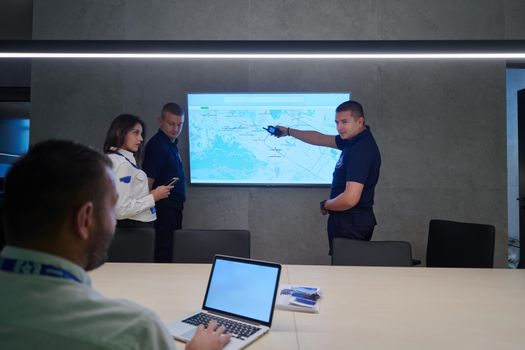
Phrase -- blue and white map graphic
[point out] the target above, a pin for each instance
(228, 144)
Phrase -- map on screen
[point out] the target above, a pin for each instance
(229, 146)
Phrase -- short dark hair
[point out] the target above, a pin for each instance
(119, 128)
(353, 107)
(172, 108)
(47, 186)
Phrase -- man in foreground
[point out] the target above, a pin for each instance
(60, 219)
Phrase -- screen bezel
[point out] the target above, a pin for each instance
(252, 184)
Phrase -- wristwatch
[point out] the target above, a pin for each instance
(321, 205)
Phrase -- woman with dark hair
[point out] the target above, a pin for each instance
(123, 145)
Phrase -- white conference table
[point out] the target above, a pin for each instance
(361, 307)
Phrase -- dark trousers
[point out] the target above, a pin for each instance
(169, 219)
(126, 223)
(356, 224)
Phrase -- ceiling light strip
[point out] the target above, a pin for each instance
(480, 55)
(265, 49)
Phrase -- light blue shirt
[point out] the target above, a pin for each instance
(44, 312)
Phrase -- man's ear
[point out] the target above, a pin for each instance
(84, 220)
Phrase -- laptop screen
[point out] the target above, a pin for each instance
(241, 287)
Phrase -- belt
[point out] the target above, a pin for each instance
(354, 210)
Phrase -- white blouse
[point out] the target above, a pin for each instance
(135, 201)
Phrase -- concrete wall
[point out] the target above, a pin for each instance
(440, 125)
(16, 19)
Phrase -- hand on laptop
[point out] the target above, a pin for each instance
(209, 338)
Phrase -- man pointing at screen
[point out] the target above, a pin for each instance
(356, 173)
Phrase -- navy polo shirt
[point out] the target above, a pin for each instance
(360, 161)
(162, 162)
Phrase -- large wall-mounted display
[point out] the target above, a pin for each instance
(229, 144)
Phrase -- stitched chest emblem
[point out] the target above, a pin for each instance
(339, 162)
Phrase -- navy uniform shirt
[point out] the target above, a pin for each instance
(162, 162)
(359, 162)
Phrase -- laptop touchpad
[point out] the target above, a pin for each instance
(189, 334)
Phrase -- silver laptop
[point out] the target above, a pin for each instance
(240, 295)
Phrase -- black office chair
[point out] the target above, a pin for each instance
(460, 244)
(200, 246)
(351, 252)
(133, 244)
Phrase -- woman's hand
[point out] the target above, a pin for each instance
(161, 192)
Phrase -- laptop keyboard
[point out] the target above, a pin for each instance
(237, 329)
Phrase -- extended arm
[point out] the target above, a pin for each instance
(309, 136)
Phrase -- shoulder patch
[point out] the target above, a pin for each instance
(125, 179)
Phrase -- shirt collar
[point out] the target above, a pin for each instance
(167, 139)
(17, 253)
(359, 136)
(129, 155)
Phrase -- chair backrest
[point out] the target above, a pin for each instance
(460, 244)
(200, 246)
(132, 244)
(351, 252)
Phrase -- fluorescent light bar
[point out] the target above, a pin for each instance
(131, 49)
(10, 155)
(509, 56)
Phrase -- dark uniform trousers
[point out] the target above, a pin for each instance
(169, 219)
(356, 223)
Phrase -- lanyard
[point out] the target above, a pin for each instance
(27, 267)
(130, 162)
